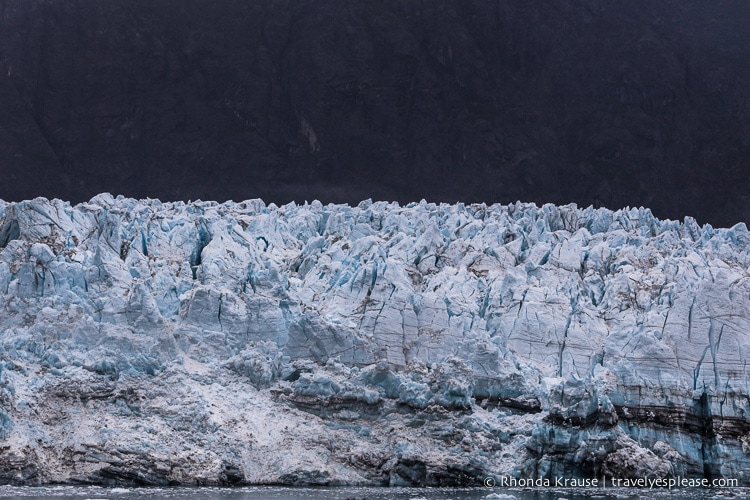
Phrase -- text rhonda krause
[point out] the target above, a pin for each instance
(641, 482)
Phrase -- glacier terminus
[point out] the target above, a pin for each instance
(151, 343)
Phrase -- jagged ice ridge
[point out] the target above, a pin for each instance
(144, 342)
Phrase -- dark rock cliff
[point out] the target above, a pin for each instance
(632, 103)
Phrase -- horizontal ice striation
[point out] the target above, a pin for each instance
(169, 343)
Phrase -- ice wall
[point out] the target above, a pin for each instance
(197, 343)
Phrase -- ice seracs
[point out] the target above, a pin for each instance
(144, 342)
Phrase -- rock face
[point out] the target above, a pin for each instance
(168, 343)
(630, 103)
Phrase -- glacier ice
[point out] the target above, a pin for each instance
(144, 342)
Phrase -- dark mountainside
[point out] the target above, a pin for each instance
(605, 103)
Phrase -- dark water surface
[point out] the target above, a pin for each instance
(356, 493)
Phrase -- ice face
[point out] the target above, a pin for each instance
(426, 344)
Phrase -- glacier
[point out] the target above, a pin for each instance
(151, 343)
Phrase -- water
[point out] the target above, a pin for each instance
(356, 493)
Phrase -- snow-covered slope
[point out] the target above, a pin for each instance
(153, 343)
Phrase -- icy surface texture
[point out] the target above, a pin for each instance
(169, 343)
